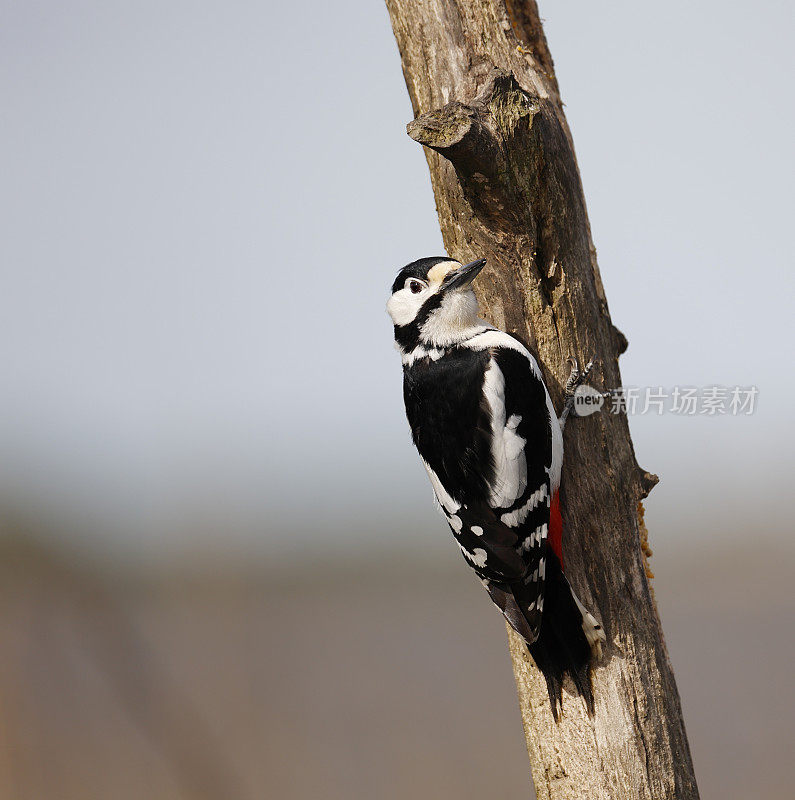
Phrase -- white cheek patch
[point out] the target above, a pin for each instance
(403, 306)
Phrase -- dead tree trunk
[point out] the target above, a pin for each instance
(507, 188)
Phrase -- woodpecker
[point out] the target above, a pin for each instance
(488, 436)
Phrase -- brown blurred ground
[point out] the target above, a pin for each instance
(382, 682)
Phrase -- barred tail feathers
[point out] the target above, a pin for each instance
(569, 638)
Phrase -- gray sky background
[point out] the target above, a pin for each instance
(202, 209)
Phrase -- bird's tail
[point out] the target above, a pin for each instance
(569, 639)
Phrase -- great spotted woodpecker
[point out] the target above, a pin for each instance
(485, 428)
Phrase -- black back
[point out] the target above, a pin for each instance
(449, 424)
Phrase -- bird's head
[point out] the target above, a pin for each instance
(432, 302)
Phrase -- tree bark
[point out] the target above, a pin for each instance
(507, 188)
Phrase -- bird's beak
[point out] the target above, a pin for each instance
(463, 276)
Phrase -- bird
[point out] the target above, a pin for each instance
(486, 430)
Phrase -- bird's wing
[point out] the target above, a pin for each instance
(504, 538)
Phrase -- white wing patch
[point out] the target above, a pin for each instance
(492, 338)
(507, 447)
(448, 504)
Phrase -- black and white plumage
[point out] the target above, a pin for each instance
(486, 430)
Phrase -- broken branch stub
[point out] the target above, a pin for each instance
(476, 138)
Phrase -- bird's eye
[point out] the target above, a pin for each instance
(415, 287)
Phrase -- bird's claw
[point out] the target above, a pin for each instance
(576, 377)
(571, 383)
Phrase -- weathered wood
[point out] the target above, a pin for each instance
(507, 188)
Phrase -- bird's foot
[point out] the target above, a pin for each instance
(576, 379)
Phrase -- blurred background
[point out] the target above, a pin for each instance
(221, 572)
